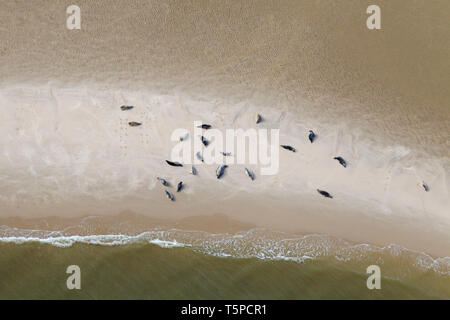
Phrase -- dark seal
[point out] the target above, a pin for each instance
(325, 194)
(312, 136)
(341, 161)
(170, 195)
(134, 124)
(205, 126)
(125, 108)
(173, 163)
(221, 171)
(288, 148)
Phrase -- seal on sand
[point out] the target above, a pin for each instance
(134, 124)
(312, 136)
(174, 164)
(220, 171)
(163, 181)
(288, 148)
(124, 108)
(184, 137)
(199, 156)
(250, 174)
(205, 126)
(325, 194)
(170, 195)
(341, 161)
(204, 141)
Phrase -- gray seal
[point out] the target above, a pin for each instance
(325, 194)
(170, 195)
(184, 137)
(312, 136)
(221, 171)
(125, 108)
(199, 156)
(180, 186)
(204, 141)
(174, 163)
(341, 161)
(288, 148)
(134, 124)
(250, 174)
(163, 181)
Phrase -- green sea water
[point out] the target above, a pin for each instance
(146, 271)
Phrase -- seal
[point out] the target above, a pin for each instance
(199, 156)
(250, 174)
(194, 171)
(134, 124)
(125, 108)
(174, 163)
(163, 181)
(325, 194)
(226, 154)
(180, 186)
(341, 161)
(170, 195)
(312, 136)
(204, 141)
(220, 171)
(258, 118)
(184, 137)
(205, 126)
(288, 148)
(425, 186)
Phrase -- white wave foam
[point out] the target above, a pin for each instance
(102, 240)
(256, 243)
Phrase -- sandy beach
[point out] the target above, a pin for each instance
(378, 99)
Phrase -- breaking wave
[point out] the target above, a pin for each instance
(255, 243)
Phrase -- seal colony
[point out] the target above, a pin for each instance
(220, 171)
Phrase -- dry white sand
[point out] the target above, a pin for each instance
(71, 152)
